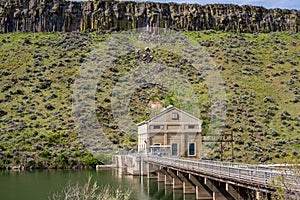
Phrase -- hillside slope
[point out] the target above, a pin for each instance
(37, 128)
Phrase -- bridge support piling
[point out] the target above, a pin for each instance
(151, 175)
(258, 195)
(188, 187)
(202, 191)
(168, 180)
(234, 192)
(151, 171)
(219, 193)
(209, 180)
(168, 177)
(177, 183)
(160, 176)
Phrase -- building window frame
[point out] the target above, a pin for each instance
(191, 126)
(156, 127)
(175, 115)
(177, 150)
(194, 149)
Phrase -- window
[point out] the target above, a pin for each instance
(191, 126)
(192, 148)
(156, 127)
(175, 115)
(174, 149)
(156, 148)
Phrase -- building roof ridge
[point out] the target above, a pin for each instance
(165, 110)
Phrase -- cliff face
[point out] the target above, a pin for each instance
(60, 15)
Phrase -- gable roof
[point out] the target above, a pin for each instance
(164, 111)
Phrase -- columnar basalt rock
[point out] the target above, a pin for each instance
(97, 15)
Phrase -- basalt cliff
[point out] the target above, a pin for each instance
(60, 15)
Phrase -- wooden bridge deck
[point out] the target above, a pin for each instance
(251, 176)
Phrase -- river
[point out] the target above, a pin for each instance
(39, 184)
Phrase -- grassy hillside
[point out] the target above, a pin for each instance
(38, 70)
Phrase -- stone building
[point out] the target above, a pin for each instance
(171, 132)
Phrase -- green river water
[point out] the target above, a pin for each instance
(39, 184)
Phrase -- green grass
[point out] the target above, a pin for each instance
(51, 140)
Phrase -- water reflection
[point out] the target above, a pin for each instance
(159, 191)
(39, 184)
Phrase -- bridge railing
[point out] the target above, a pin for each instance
(243, 173)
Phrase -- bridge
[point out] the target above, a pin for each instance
(211, 179)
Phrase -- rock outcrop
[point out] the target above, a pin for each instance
(61, 15)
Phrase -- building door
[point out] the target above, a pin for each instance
(174, 149)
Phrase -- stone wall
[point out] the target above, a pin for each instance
(60, 15)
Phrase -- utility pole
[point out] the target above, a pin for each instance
(223, 137)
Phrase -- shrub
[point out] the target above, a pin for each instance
(104, 158)
(27, 41)
(287, 184)
(90, 191)
(45, 154)
(91, 161)
(6, 161)
(49, 106)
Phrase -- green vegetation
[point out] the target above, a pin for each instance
(105, 158)
(90, 191)
(287, 186)
(37, 74)
(38, 70)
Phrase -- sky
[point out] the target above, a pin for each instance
(290, 4)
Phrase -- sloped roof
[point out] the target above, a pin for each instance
(164, 111)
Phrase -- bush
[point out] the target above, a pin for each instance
(104, 158)
(91, 161)
(44, 154)
(49, 106)
(27, 41)
(90, 191)
(287, 184)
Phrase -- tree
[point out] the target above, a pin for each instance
(287, 184)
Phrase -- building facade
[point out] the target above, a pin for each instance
(171, 132)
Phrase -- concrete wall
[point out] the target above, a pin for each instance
(142, 137)
(183, 139)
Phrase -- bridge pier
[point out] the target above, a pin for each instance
(208, 180)
(177, 183)
(257, 195)
(232, 190)
(151, 175)
(151, 171)
(188, 187)
(202, 191)
(160, 176)
(168, 177)
(219, 193)
(262, 195)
